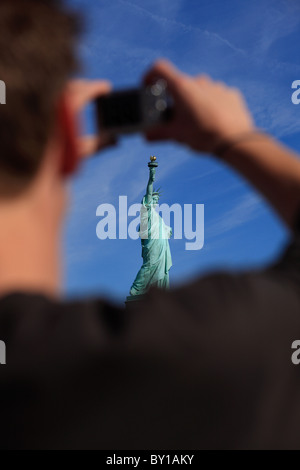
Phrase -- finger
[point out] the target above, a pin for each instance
(89, 145)
(203, 79)
(83, 91)
(86, 87)
(164, 69)
(219, 85)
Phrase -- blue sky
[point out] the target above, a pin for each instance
(251, 45)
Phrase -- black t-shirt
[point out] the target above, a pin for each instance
(204, 366)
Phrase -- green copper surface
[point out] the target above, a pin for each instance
(154, 234)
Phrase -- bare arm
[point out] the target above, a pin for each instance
(208, 114)
(273, 170)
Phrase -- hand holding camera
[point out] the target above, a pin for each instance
(205, 112)
(195, 111)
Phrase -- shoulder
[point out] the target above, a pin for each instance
(235, 310)
(48, 323)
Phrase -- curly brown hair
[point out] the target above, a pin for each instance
(36, 59)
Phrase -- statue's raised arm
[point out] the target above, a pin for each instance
(149, 192)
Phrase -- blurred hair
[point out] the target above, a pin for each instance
(36, 59)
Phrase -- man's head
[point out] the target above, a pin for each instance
(39, 143)
(36, 59)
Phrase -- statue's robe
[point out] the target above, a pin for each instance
(157, 261)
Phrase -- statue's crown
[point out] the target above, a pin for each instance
(157, 192)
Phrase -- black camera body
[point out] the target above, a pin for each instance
(134, 110)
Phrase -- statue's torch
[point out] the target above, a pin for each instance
(153, 163)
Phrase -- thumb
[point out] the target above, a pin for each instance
(89, 145)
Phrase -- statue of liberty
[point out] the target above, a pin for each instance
(154, 234)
